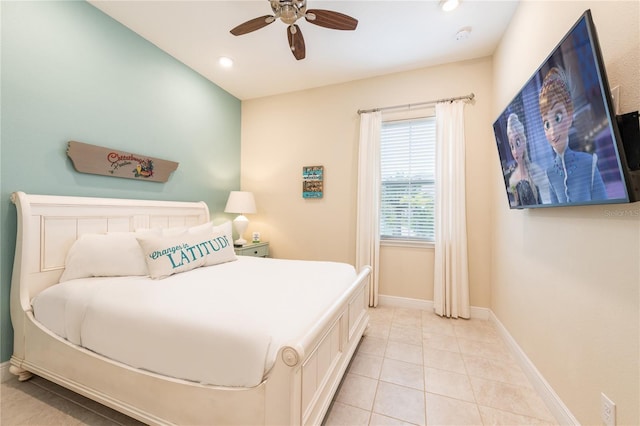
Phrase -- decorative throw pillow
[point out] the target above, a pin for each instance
(104, 255)
(212, 243)
(221, 247)
(168, 255)
(225, 227)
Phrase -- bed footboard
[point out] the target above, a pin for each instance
(319, 360)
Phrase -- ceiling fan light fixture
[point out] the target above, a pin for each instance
(449, 5)
(288, 14)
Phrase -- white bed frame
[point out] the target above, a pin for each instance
(298, 391)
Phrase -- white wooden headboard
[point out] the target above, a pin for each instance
(48, 225)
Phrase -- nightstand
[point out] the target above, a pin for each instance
(253, 249)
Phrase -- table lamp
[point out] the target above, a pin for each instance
(241, 202)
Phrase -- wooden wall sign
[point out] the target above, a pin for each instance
(312, 179)
(98, 160)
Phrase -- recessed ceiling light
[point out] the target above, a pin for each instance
(449, 5)
(225, 62)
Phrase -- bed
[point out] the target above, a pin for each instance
(303, 358)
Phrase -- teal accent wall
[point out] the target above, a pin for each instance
(70, 72)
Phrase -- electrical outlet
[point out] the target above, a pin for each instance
(607, 410)
(615, 98)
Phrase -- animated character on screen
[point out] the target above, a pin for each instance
(573, 176)
(528, 182)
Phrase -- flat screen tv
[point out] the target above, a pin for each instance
(558, 139)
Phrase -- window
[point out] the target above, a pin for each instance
(407, 172)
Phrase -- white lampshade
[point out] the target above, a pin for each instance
(240, 202)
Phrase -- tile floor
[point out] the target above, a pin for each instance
(415, 368)
(411, 368)
(38, 402)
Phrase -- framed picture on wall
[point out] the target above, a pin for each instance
(312, 179)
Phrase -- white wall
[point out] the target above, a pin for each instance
(566, 281)
(281, 134)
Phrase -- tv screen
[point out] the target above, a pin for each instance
(558, 139)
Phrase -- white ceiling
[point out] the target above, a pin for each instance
(391, 36)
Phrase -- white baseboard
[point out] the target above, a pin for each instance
(425, 305)
(405, 302)
(544, 389)
(546, 392)
(4, 372)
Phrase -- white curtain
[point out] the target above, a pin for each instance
(367, 224)
(451, 275)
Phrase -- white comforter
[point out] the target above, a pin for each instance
(221, 324)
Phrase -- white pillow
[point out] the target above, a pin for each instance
(148, 231)
(104, 255)
(171, 232)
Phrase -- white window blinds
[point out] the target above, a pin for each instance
(407, 171)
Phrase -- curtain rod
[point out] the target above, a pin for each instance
(468, 97)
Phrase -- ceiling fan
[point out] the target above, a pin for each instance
(289, 11)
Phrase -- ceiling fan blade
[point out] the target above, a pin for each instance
(331, 19)
(296, 41)
(252, 25)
